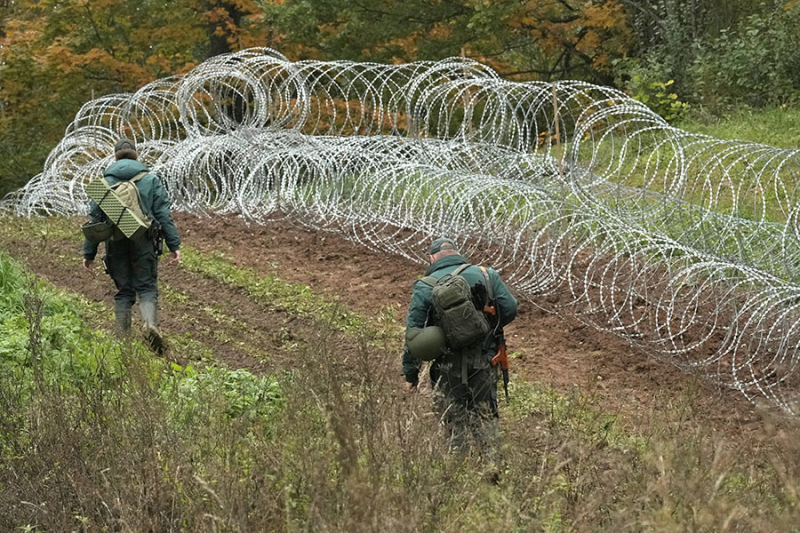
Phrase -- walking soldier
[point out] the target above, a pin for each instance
(133, 263)
(455, 319)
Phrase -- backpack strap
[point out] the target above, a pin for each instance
(139, 176)
(429, 280)
(490, 294)
(460, 269)
(432, 281)
(489, 289)
(135, 180)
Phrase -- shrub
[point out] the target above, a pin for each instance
(645, 81)
(657, 95)
(755, 63)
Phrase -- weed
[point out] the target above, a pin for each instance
(110, 438)
(118, 440)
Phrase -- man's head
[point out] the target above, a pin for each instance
(442, 247)
(125, 149)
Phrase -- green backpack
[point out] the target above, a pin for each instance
(462, 323)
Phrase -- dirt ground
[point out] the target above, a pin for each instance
(559, 351)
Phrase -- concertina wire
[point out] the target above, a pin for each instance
(588, 203)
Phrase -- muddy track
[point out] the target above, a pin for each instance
(249, 334)
(561, 352)
(241, 332)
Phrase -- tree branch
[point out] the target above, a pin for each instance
(648, 12)
(97, 31)
(565, 4)
(549, 73)
(408, 18)
(545, 72)
(376, 11)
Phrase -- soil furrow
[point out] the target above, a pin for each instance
(247, 333)
(559, 351)
(240, 332)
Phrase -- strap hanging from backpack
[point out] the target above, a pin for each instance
(490, 303)
(501, 357)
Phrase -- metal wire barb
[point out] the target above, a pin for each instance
(680, 243)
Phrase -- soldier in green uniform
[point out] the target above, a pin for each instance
(133, 265)
(464, 380)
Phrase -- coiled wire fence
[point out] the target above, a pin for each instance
(683, 244)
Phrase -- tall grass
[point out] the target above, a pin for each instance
(113, 439)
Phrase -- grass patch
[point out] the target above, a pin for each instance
(117, 440)
(571, 412)
(298, 300)
(777, 126)
(81, 410)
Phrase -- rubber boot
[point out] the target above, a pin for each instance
(122, 317)
(152, 336)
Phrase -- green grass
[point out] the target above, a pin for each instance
(68, 389)
(331, 444)
(298, 300)
(779, 127)
(97, 435)
(571, 412)
(61, 330)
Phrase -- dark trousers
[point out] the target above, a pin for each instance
(133, 265)
(466, 402)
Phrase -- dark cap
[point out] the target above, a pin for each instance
(442, 243)
(125, 149)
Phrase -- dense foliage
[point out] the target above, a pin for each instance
(56, 54)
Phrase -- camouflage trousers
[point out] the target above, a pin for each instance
(133, 265)
(466, 401)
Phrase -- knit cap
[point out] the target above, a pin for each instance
(125, 149)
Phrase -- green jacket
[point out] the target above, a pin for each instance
(155, 202)
(420, 312)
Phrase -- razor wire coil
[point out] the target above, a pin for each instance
(683, 244)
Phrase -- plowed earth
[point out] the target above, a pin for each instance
(243, 332)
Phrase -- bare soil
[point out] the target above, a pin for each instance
(559, 351)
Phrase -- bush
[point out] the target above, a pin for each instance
(755, 63)
(649, 83)
(336, 446)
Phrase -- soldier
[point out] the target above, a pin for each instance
(133, 264)
(460, 335)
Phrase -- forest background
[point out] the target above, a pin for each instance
(693, 61)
